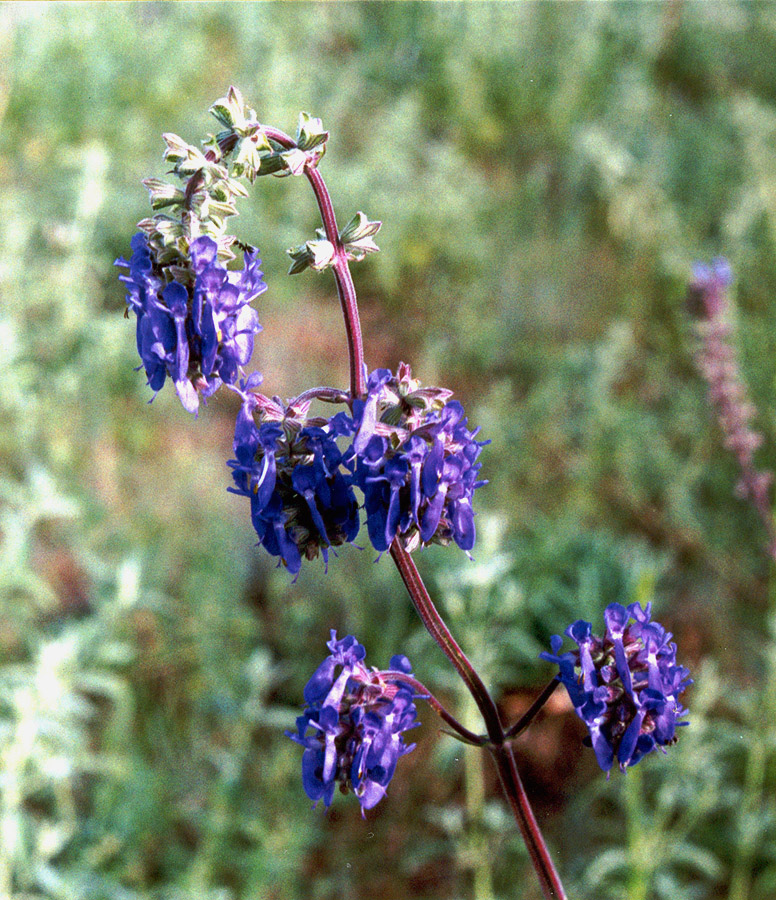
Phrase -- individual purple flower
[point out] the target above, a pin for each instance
(198, 328)
(416, 463)
(293, 472)
(717, 362)
(624, 686)
(352, 729)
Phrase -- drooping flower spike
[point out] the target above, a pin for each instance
(199, 331)
(624, 686)
(416, 463)
(352, 729)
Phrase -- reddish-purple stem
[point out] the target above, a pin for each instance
(327, 394)
(525, 720)
(423, 692)
(439, 631)
(342, 276)
(552, 887)
(501, 751)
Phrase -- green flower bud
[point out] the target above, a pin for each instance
(310, 133)
(294, 161)
(232, 112)
(358, 228)
(162, 193)
(356, 237)
(317, 255)
(177, 149)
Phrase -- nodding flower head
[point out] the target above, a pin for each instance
(624, 686)
(294, 474)
(416, 463)
(352, 729)
(194, 322)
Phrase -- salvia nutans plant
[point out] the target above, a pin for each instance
(395, 453)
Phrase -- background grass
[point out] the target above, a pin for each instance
(546, 175)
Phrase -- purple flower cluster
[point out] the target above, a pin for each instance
(416, 463)
(407, 448)
(353, 725)
(292, 470)
(624, 686)
(199, 333)
(717, 362)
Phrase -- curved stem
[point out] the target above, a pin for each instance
(439, 631)
(345, 288)
(424, 693)
(501, 751)
(327, 394)
(525, 720)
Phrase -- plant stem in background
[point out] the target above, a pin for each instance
(639, 857)
(475, 838)
(728, 395)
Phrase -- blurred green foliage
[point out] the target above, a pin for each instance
(546, 175)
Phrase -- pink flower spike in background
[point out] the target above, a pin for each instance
(718, 364)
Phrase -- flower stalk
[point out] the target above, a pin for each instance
(421, 599)
(512, 784)
(345, 287)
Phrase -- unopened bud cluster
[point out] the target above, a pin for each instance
(356, 239)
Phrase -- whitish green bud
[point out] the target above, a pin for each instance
(294, 161)
(322, 254)
(169, 229)
(147, 225)
(317, 255)
(357, 250)
(310, 133)
(232, 112)
(225, 242)
(233, 186)
(359, 227)
(357, 235)
(163, 194)
(300, 259)
(246, 159)
(204, 206)
(192, 162)
(211, 144)
(177, 149)
(273, 164)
